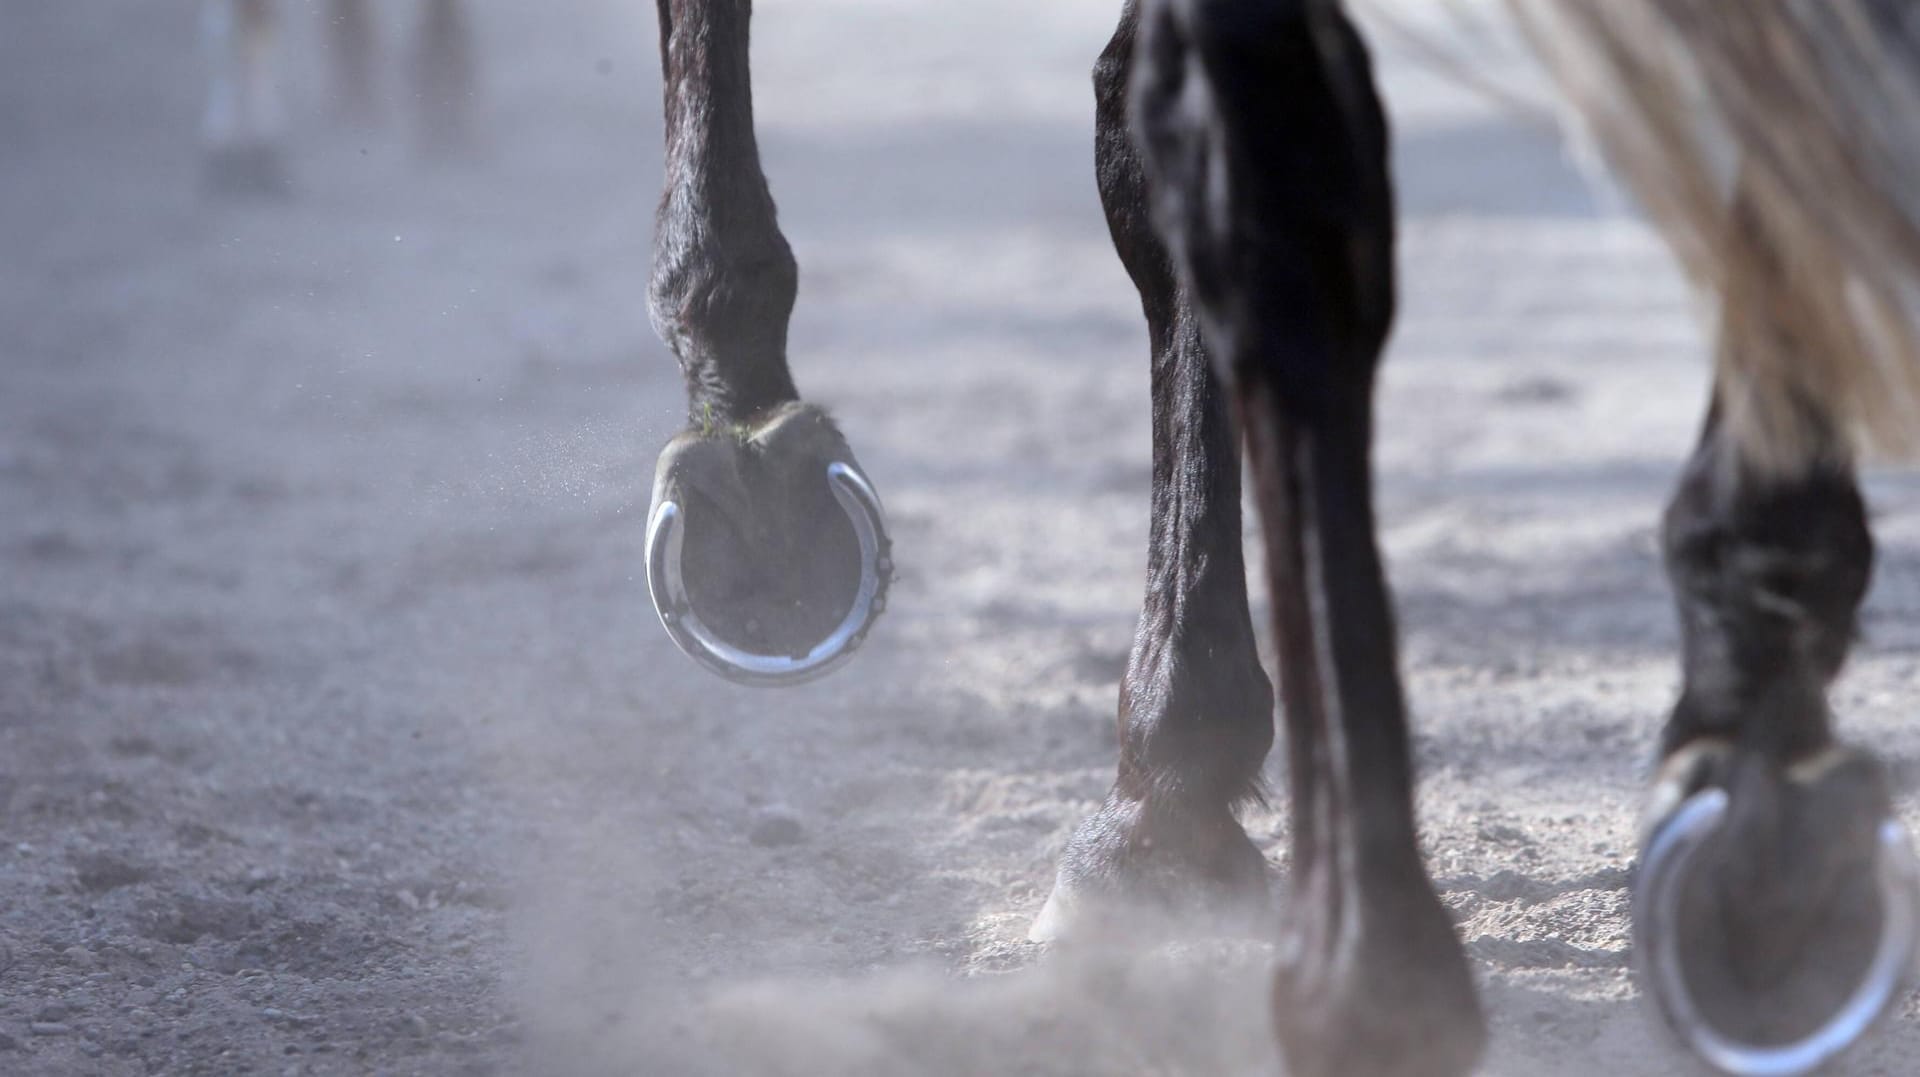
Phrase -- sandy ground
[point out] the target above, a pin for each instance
(337, 734)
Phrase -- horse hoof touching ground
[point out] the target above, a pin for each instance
(1242, 158)
(244, 125)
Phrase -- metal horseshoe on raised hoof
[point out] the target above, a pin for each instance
(666, 532)
(1663, 873)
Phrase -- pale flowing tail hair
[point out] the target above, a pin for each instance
(1776, 146)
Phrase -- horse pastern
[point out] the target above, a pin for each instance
(1132, 869)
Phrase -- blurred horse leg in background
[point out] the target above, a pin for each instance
(353, 53)
(444, 80)
(243, 128)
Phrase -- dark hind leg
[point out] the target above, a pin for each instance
(445, 80)
(1779, 917)
(1266, 155)
(353, 46)
(780, 567)
(243, 128)
(1763, 942)
(1196, 710)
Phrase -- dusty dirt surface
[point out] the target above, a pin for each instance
(337, 735)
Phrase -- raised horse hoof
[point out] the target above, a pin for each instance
(767, 552)
(1773, 934)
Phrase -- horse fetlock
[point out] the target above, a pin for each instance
(1147, 865)
(1769, 574)
(1775, 906)
(1196, 709)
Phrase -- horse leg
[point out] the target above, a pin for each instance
(1782, 914)
(352, 49)
(444, 79)
(1266, 156)
(766, 552)
(1782, 940)
(243, 126)
(1196, 710)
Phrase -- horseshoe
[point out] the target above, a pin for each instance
(1657, 896)
(666, 533)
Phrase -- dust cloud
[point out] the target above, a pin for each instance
(337, 734)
